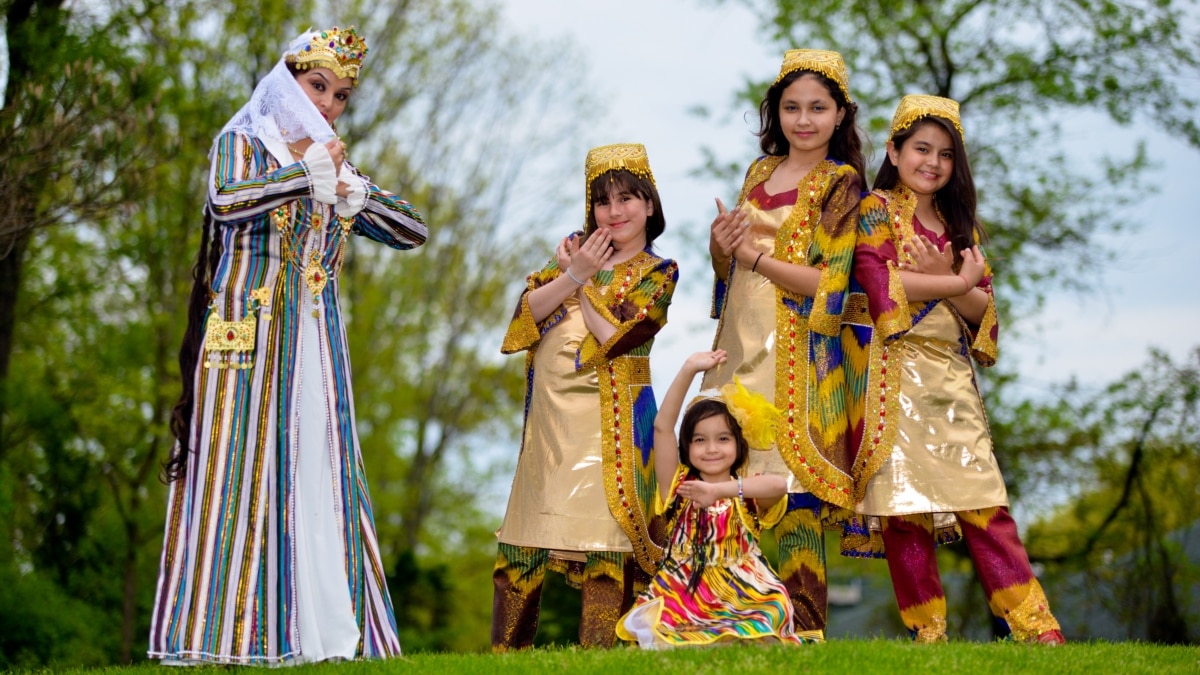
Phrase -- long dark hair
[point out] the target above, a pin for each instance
(622, 180)
(702, 410)
(845, 146)
(956, 200)
(189, 352)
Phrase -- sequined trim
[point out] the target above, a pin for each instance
(1032, 617)
(620, 457)
(639, 370)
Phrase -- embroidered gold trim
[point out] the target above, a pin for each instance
(793, 395)
(639, 370)
(916, 106)
(829, 64)
(631, 157)
(620, 457)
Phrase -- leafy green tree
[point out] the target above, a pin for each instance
(72, 99)
(76, 96)
(1127, 530)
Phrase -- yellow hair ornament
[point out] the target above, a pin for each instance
(757, 417)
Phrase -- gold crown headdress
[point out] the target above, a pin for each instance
(629, 156)
(338, 49)
(753, 412)
(916, 106)
(827, 63)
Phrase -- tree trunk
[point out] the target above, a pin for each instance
(129, 592)
(10, 286)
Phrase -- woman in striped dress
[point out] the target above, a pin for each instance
(270, 554)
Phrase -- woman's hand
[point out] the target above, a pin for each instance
(589, 257)
(726, 232)
(927, 259)
(702, 493)
(337, 152)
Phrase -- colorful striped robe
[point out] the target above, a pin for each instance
(227, 588)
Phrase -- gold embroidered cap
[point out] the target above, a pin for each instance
(338, 49)
(629, 156)
(829, 64)
(757, 416)
(916, 106)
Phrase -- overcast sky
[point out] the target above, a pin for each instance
(649, 63)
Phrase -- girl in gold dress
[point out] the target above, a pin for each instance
(929, 292)
(782, 262)
(581, 497)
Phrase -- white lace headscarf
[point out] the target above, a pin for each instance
(279, 109)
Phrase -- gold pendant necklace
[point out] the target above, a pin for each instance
(314, 272)
(315, 275)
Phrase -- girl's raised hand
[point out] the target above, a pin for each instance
(972, 267)
(563, 251)
(726, 232)
(927, 259)
(703, 494)
(703, 361)
(589, 257)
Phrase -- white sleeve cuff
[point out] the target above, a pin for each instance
(354, 202)
(322, 173)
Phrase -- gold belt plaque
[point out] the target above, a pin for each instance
(230, 336)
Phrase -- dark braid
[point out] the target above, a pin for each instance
(699, 550)
(189, 352)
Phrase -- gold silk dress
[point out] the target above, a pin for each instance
(941, 459)
(787, 346)
(558, 500)
(926, 415)
(747, 328)
(585, 476)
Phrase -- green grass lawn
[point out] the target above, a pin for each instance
(839, 656)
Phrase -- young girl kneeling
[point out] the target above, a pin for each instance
(714, 584)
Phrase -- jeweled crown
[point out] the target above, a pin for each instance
(916, 106)
(338, 49)
(629, 156)
(829, 64)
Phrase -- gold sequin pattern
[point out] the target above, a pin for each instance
(827, 63)
(620, 463)
(600, 160)
(1031, 617)
(792, 392)
(916, 106)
